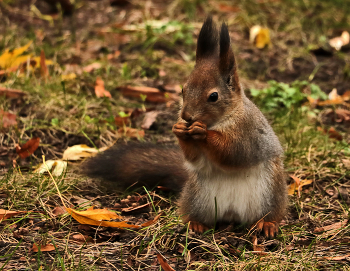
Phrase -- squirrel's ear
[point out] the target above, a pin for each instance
(207, 40)
(227, 59)
(227, 64)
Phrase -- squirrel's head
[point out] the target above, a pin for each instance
(212, 90)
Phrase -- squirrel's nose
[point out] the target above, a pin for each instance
(186, 116)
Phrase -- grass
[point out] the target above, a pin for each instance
(65, 114)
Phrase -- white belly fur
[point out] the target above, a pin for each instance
(241, 195)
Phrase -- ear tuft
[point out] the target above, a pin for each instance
(227, 59)
(207, 40)
(224, 41)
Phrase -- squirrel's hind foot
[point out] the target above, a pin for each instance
(197, 227)
(270, 228)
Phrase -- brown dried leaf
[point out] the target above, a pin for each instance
(47, 247)
(59, 210)
(28, 148)
(11, 93)
(258, 249)
(336, 258)
(153, 95)
(82, 238)
(7, 119)
(121, 121)
(149, 223)
(5, 214)
(342, 115)
(98, 217)
(43, 68)
(164, 263)
(332, 133)
(335, 226)
(92, 66)
(228, 8)
(100, 90)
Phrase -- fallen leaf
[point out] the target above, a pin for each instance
(98, 217)
(346, 163)
(342, 115)
(150, 222)
(335, 226)
(28, 148)
(164, 263)
(172, 88)
(153, 95)
(228, 8)
(161, 73)
(47, 247)
(113, 56)
(59, 210)
(68, 77)
(258, 249)
(58, 167)
(149, 119)
(131, 132)
(339, 42)
(7, 119)
(336, 258)
(92, 66)
(79, 201)
(332, 133)
(11, 93)
(121, 121)
(333, 98)
(100, 90)
(297, 185)
(82, 238)
(43, 68)
(9, 57)
(5, 214)
(259, 36)
(78, 152)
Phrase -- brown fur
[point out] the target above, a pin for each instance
(229, 135)
(232, 133)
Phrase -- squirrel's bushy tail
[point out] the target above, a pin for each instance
(138, 164)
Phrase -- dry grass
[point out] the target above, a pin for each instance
(69, 114)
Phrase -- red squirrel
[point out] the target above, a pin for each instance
(229, 166)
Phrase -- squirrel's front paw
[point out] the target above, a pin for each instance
(198, 130)
(180, 129)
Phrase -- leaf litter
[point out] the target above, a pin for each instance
(224, 240)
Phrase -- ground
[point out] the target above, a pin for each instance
(152, 44)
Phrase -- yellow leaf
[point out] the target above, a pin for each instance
(78, 152)
(297, 185)
(263, 38)
(58, 167)
(98, 217)
(69, 76)
(260, 36)
(37, 60)
(19, 60)
(8, 57)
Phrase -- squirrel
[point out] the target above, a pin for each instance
(229, 167)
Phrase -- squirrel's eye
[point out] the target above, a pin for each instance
(213, 97)
(182, 91)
